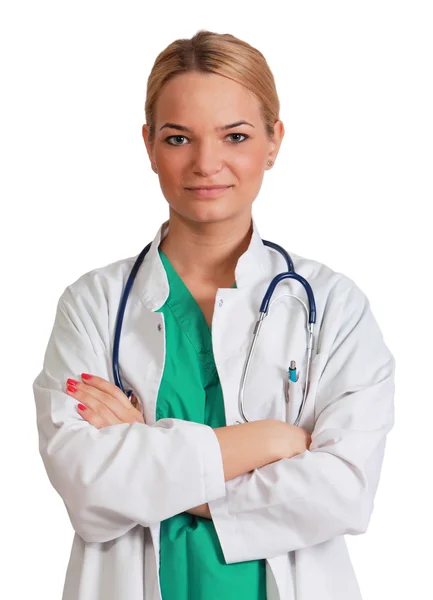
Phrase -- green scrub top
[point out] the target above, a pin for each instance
(191, 562)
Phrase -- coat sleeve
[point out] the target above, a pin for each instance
(329, 489)
(116, 477)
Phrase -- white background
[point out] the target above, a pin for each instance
(351, 187)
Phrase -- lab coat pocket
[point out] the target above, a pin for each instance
(294, 393)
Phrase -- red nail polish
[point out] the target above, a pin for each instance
(82, 407)
(72, 381)
(85, 376)
(71, 388)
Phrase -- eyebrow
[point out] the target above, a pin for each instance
(221, 128)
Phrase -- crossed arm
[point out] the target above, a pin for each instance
(244, 447)
(338, 471)
(249, 446)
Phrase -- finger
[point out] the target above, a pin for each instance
(91, 417)
(101, 401)
(81, 393)
(109, 395)
(110, 389)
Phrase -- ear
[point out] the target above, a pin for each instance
(276, 140)
(149, 146)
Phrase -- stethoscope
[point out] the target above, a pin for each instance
(264, 309)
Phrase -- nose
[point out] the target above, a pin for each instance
(208, 158)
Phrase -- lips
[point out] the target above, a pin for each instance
(209, 192)
(210, 187)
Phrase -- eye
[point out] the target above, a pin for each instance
(177, 137)
(239, 141)
(174, 136)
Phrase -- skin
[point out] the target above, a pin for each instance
(214, 232)
(207, 236)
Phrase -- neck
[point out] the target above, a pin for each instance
(206, 251)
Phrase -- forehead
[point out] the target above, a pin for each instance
(205, 99)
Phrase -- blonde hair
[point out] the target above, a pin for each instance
(219, 53)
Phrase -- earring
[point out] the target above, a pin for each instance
(154, 168)
(270, 163)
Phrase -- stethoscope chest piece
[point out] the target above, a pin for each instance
(134, 400)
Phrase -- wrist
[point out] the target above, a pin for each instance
(277, 440)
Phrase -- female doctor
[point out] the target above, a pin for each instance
(176, 497)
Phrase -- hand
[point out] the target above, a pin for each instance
(201, 511)
(103, 403)
(291, 440)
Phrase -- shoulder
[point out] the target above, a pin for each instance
(344, 311)
(328, 284)
(101, 283)
(89, 305)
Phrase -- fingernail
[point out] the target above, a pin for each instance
(85, 376)
(72, 381)
(82, 407)
(71, 388)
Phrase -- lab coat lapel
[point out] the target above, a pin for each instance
(151, 284)
(283, 337)
(141, 355)
(236, 311)
(235, 317)
(142, 343)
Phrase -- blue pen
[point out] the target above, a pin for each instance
(292, 371)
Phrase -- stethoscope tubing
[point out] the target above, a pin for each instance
(264, 308)
(119, 319)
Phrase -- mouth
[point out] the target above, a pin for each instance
(208, 187)
(210, 191)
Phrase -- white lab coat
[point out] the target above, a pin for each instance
(119, 482)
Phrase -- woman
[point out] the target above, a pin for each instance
(167, 498)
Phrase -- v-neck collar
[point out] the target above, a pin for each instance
(151, 286)
(183, 305)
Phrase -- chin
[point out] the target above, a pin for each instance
(209, 210)
(204, 214)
